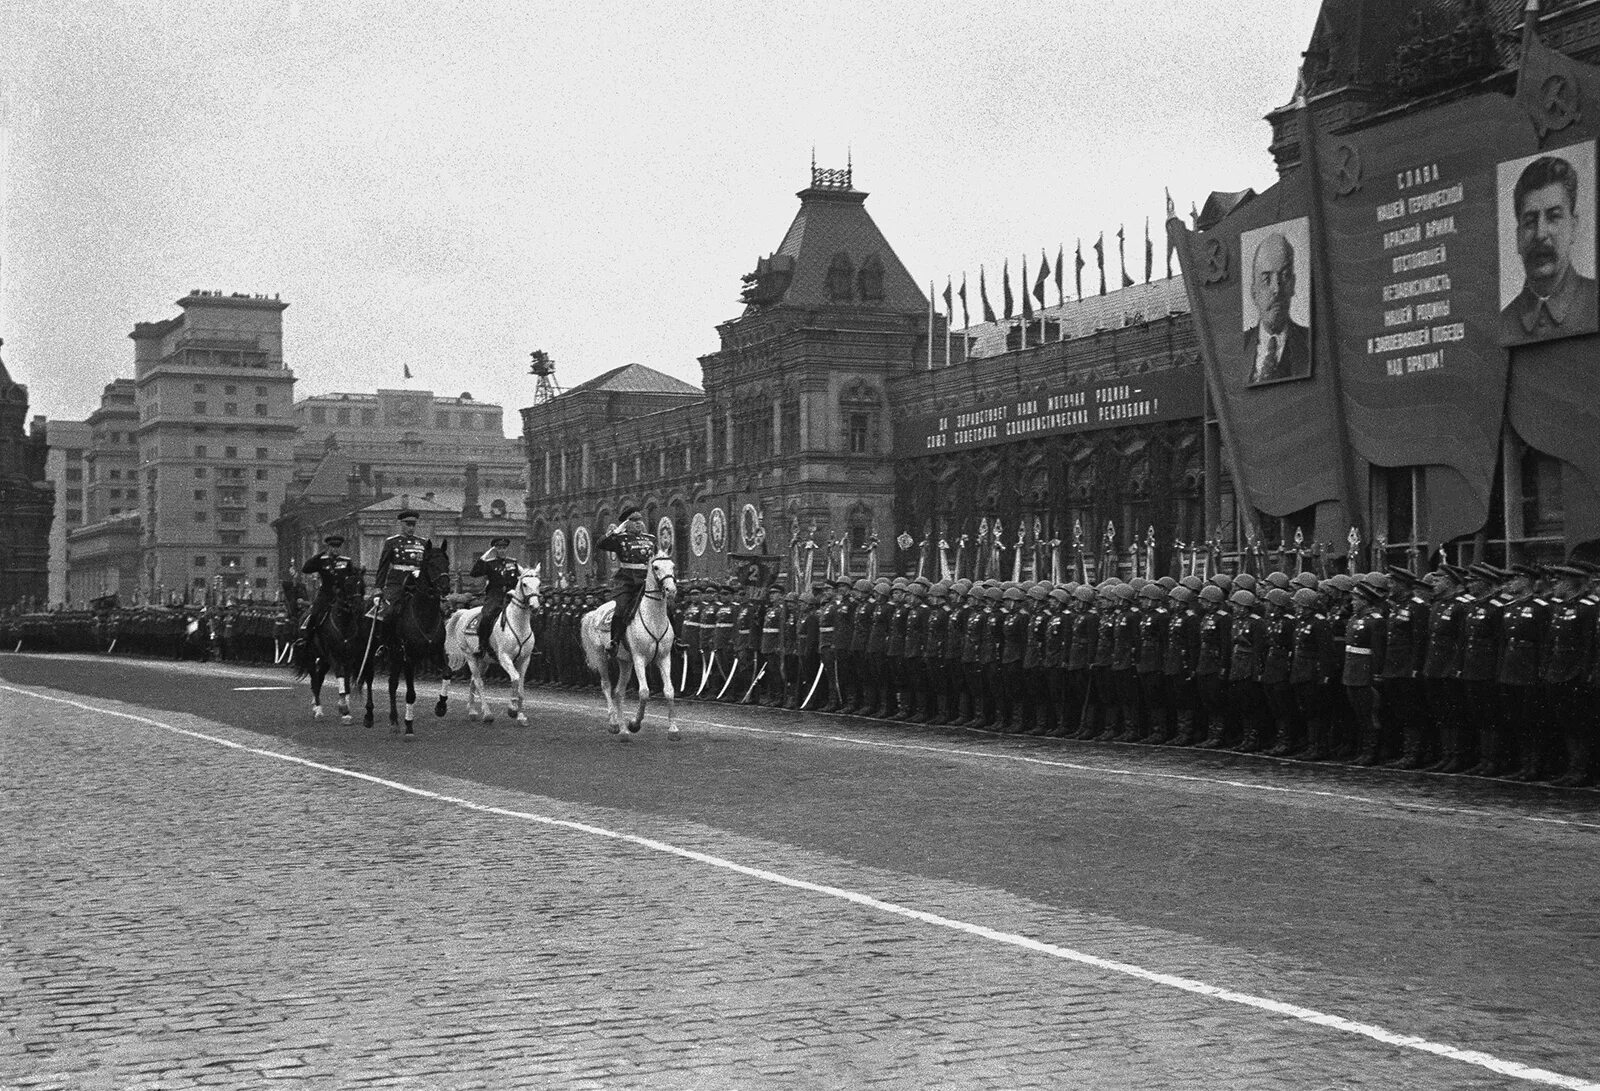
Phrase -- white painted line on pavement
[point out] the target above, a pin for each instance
(258, 689)
(957, 752)
(1482, 1059)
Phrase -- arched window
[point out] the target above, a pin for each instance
(841, 277)
(869, 282)
(860, 417)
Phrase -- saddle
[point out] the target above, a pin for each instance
(471, 640)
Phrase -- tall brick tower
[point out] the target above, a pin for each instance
(26, 501)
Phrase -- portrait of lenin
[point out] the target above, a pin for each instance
(1276, 347)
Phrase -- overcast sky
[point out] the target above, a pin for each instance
(450, 186)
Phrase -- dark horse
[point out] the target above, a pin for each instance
(413, 639)
(331, 647)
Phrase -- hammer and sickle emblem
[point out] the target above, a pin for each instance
(1558, 97)
(1346, 169)
(1216, 262)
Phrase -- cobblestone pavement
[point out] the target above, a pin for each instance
(185, 913)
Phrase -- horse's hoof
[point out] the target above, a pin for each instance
(672, 731)
(345, 719)
(316, 713)
(440, 706)
(616, 728)
(408, 736)
(634, 726)
(522, 720)
(366, 721)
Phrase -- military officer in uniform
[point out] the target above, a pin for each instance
(400, 564)
(501, 574)
(1363, 666)
(337, 576)
(1567, 671)
(1404, 709)
(633, 548)
(1441, 689)
(1524, 621)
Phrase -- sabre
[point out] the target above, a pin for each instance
(360, 674)
(732, 672)
(813, 692)
(113, 646)
(754, 682)
(683, 674)
(706, 663)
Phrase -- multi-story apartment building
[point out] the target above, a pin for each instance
(360, 455)
(68, 441)
(215, 443)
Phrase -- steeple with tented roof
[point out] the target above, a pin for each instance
(833, 255)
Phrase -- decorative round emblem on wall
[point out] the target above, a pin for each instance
(751, 534)
(580, 545)
(697, 534)
(719, 530)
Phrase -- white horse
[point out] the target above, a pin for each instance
(511, 644)
(648, 641)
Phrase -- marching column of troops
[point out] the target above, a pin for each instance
(1481, 670)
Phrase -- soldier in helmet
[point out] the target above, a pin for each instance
(1245, 663)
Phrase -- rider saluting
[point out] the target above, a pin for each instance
(502, 574)
(399, 563)
(335, 573)
(633, 548)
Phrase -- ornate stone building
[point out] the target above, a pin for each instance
(26, 498)
(790, 433)
(1019, 461)
(360, 458)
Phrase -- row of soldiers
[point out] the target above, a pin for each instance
(1480, 670)
(234, 632)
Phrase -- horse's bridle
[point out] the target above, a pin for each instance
(661, 591)
(531, 602)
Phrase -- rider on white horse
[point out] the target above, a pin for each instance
(634, 547)
(502, 573)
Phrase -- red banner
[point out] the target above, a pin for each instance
(1412, 215)
(1250, 280)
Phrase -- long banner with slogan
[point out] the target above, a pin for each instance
(1170, 394)
(1410, 288)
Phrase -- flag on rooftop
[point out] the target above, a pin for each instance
(983, 297)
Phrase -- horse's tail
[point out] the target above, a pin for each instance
(454, 652)
(595, 634)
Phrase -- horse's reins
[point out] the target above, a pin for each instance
(500, 622)
(659, 593)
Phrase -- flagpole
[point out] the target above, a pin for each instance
(930, 321)
(949, 320)
(1322, 292)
